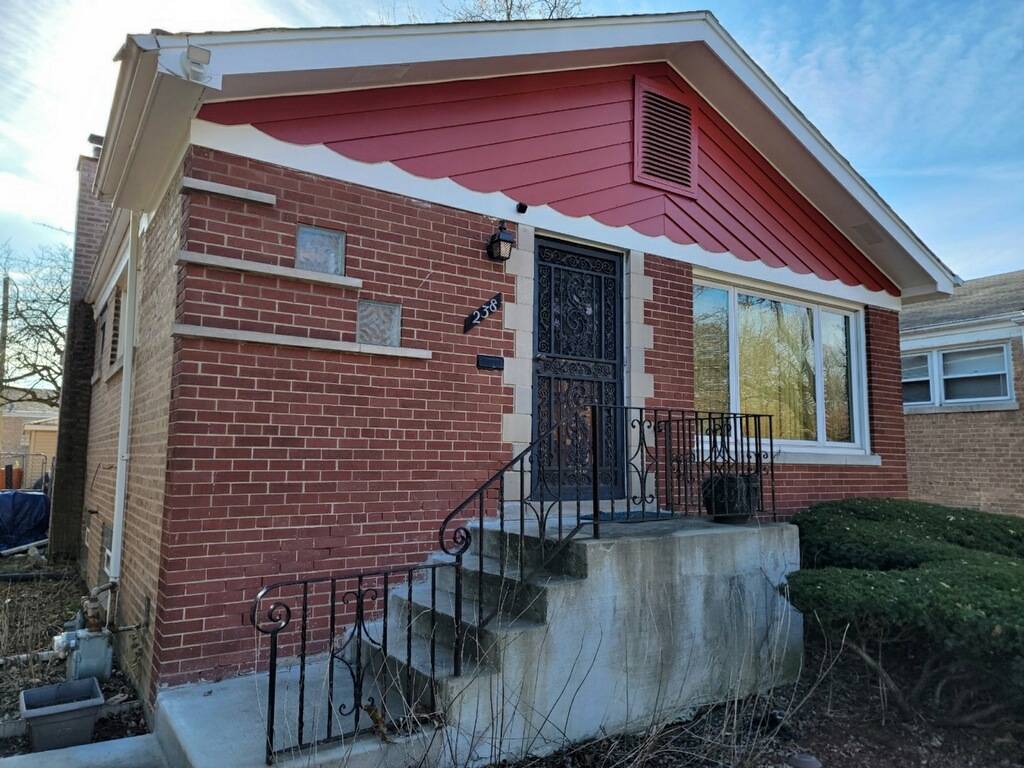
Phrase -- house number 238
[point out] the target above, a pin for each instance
(478, 315)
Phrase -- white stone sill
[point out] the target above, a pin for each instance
(303, 342)
(257, 268)
(829, 459)
(1005, 405)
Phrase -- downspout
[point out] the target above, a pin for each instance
(127, 377)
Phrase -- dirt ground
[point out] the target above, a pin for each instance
(31, 613)
(835, 712)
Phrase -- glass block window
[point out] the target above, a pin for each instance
(379, 323)
(320, 250)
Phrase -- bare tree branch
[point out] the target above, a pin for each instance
(512, 10)
(40, 287)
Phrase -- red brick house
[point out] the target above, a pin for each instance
(305, 356)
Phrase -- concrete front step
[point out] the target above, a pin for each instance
(525, 549)
(503, 588)
(485, 645)
(132, 752)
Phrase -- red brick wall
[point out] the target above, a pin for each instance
(102, 472)
(72, 465)
(670, 314)
(971, 459)
(286, 462)
(144, 502)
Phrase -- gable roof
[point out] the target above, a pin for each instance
(155, 102)
(995, 297)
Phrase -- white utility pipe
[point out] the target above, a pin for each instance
(127, 376)
(24, 547)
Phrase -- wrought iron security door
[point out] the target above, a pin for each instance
(578, 362)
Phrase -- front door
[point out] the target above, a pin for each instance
(578, 362)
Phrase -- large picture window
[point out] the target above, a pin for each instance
(792, 360)
(955, 376)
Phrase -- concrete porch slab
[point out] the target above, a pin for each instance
(222, 725)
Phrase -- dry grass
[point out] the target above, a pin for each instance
(31, 613)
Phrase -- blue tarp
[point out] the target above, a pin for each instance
(24, 518)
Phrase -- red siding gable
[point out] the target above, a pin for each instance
(566, 140)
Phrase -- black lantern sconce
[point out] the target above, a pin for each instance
(499, 247)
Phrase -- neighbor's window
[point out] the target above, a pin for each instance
(765, 355)
(949, 377)
(917, 383)
(320, 250)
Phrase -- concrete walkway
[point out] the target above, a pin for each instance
(221, 725)
(134, 752)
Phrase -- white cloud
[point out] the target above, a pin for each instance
(57, 78)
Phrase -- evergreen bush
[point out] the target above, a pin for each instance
(939, 583)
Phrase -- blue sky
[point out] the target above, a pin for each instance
(925, 98)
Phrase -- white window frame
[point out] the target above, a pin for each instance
(936, 379)
(858, 368)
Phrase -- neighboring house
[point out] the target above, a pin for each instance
(27, 437)
(42, 437)
(963, 375)
(14, 416)
(305, 356)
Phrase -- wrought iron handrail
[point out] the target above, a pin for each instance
(666, 463)
(460, 536)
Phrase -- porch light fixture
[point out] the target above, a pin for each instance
(499, 247)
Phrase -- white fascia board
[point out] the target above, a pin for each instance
(766, 91)
(113, 245)
(150, 114)
(976, 331)
(306, 50)
(134, 80)
(247, 141)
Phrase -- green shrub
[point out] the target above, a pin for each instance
(947, 583)
(885, 534)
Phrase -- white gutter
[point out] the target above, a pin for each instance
(127, 377)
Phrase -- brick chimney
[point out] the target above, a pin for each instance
(73, 433)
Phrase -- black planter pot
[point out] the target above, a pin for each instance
(731, 498)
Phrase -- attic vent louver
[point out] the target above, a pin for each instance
(665, 146)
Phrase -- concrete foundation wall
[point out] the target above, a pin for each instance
(680, 615)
